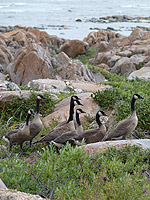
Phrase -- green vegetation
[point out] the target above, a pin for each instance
(72, 174)
(88, 55)
(16, 110)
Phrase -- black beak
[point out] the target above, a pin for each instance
(141, 97)
(79, 103)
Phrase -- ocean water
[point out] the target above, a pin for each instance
(58, 17)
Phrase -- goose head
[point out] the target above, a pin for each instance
(79, 111)
(75, 97)
(101, 113)
(31, 111)
(40, 96)
(137, 96)
(77, 102)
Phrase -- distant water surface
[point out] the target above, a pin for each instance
(59, 16)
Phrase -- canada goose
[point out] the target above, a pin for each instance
(125, 126)
(92, 135)
(19, 136)
(65, 126)
(61, 140)
(75, 100)
(36, 124)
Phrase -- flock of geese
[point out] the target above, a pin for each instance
(71, 130)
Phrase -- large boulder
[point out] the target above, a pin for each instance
(123, 66)
(102, 146)
(32, 62)
(143, 73)
(74, 48)
(95, 38)
(51, 85)
(73, 69)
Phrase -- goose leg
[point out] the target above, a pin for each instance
(10, 147)
(21, 147)
(30, 143)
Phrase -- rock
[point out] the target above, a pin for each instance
(102, 146)
(61, 111)
(102, 47)
(74, 48)
(7, 96)
(5, 55)
(86, 86)
(7, 85)
(102, 58)
(51, 85)
(2, 185)
(113, 60)
(104, 66)
(137, 59)
(57, 86)
(125, 53)
(68, 69)
(2, 77)
(123, 66)
(143, 73)
(21, 38)
(32, 62)
(12, 33)
(95, 38)
(17, 195)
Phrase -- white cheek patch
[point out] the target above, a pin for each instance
(75, 103)
(38, 97)
(29, 112)
(78, 111)
(99, 113)
(135, 96)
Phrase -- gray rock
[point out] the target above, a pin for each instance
(7, 85)
(2, 77)
(2, 185)
(96, 147)
(51, 85)
(17, 195)
(123, 66)
(143, 73)
(125, 53)
(113, 60)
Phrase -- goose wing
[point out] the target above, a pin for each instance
(122, 128)
(11, 133)
(65, 137)
(56, 132)
(86, 134)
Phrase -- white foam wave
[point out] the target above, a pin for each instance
(4, 6)
(19, 4)
(129, 6)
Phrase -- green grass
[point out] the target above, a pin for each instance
(91, 53)
(72, 174)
